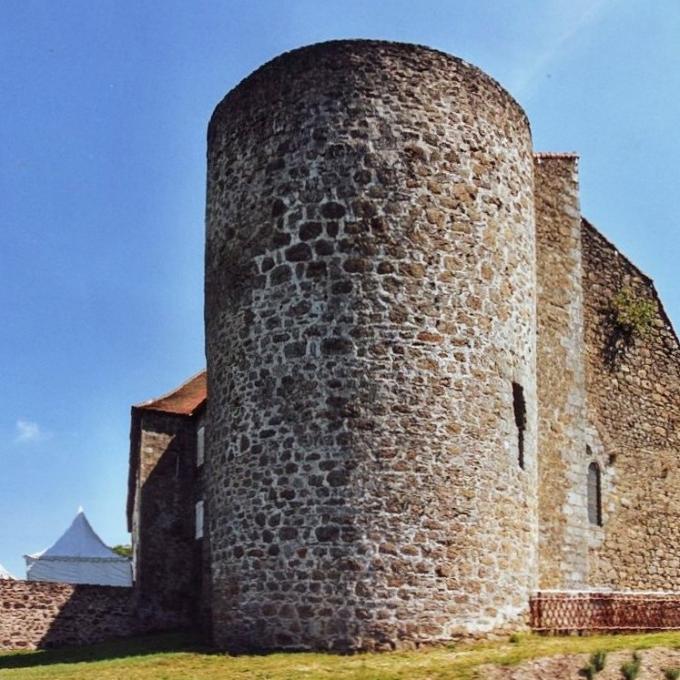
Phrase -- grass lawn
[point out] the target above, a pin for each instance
(173, 657)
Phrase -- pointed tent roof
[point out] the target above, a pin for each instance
(5, 575)
(79, 541)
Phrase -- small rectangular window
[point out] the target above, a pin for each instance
(200, 446)
(199, 519)
(520, 409)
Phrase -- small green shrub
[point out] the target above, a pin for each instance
(515, 639)
(588, 672)
(671, 673)
(598, 660)
(631, 669)
(634, 314)
(596, 664)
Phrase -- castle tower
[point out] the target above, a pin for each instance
(370, 330)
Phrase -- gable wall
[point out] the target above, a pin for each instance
(633, 429)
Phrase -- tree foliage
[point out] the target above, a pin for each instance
(123, 550)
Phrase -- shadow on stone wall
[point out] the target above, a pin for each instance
(172, 572)
(168, 572)
(39, 615)
(42, 615)
(618, 340)
(91, 614)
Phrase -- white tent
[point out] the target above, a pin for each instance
(79, 556)
(4, 574)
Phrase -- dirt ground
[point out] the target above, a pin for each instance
(654, 662)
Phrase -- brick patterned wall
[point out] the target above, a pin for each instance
(38, 615)
(567, 612)
(370, 299)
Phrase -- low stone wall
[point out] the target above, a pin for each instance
(37, 615)
(566, 612)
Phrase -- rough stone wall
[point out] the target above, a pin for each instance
(370, 299)
(35, 614)
(167, 573)
(563, 542)
(634, 428)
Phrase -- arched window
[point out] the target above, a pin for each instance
(594, 495)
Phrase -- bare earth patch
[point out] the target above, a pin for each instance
(567, 667)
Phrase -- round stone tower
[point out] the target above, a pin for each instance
(370, 330)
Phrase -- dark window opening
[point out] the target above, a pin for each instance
(594, 495)
(520, 408)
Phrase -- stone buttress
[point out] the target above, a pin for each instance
(562, 464)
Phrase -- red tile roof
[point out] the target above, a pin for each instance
(183, 400)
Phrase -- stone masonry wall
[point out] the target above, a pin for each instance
(370, 301)
(563, 542)
(35, 614)
(634, 428)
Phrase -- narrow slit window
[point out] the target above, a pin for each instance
(200, 518)
(200, 446)
(520, 408)
(594, 495)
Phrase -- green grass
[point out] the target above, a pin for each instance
(174, 657)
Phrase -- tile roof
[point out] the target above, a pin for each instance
(183, 400)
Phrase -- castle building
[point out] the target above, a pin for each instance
(434, 387)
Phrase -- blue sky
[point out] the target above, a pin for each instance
(102, 179)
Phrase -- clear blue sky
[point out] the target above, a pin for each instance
(102, 139)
